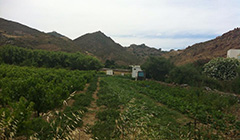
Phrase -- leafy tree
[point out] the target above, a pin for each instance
(110, 64)
(157, 68)
(40, 58)
(222, 68)
(186, 74)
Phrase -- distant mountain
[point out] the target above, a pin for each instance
(103, 47)
(208, 50)
(20, 35)
(56, 34)
(143, 52)
(96, 44)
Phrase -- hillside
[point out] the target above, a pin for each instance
(208, 50)
(56, 34)
(103, 47)
(20, 35)
(142, 51)
(96, 44)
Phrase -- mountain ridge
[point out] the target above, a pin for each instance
(99, 44)
(105, 48)
(210, 49)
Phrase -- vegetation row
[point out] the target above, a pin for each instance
(146, 110)
(49, 59)
(26, 91)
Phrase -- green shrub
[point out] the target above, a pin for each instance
(157, 68)
(109, 114)
(222, 68)
(186, 74)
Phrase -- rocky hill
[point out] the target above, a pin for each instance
(95, 44)
(56, 34)
(103, 47)
(143, 52)
(208, 50)
(20, 35)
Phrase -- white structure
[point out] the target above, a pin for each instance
(135, 70)
(109, 72)
(233, 53)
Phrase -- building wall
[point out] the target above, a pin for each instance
(117, 72)
(120, 72)
(233, 53)
(109, 72)
(135, 70)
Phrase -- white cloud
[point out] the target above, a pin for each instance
(139, 18)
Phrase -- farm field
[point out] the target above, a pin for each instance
(104, 108)
(43, 103)
(149, 110)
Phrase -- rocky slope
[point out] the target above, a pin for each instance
(208, 50)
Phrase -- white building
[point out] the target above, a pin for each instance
(135, 70)
(109, 72)
(233, 53)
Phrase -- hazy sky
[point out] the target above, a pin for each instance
(166, 24)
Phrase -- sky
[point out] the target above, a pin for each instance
(165, 24)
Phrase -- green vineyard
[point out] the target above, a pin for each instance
(44, 96)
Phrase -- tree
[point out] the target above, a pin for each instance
(186, 74)
(222, 68)
(157, 68)
(110, 64)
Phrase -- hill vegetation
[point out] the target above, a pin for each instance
(13, 33)
(143, 52)
(208, 50)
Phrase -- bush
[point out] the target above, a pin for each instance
(222, 68)
(186, 74)
(157, 68)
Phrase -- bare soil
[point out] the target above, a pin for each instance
(89, 118)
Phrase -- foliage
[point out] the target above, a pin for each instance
(134, 116)
(47, 88)
(222, 68)
(186, 74)
(40, 58)
(15, 120)
(157, 68)
(143, 114)
(208, 108)
(109, 64)
(104, 128)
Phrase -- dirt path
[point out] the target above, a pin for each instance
(89, 118)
